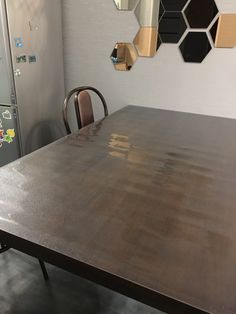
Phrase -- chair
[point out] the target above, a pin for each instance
(4, 248)
(83, 106)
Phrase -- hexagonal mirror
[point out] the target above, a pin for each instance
(146, 41)
(223, 32)
(200, 13)
(195, 47)
(172, 26)
(126, 5)
(174, 5)
(123, 56)
(147, 12)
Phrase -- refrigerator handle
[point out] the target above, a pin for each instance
(17, 73)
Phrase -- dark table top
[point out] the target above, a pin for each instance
(146, 196)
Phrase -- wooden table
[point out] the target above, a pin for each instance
(143, 203)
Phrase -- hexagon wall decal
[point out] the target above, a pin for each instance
(159, 42)
(213, 30)
(124, 56)
(223, 32)
(146, 41)
(147, 13)
(200, 13)
(127, 5)
(161, 11)
(166, 21)
(171, 5)
(195, 47)
(172, 27)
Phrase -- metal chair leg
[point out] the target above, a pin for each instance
(44, 270)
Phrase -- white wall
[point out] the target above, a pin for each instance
(91, 29)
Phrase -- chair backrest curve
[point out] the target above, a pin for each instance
(77, 91)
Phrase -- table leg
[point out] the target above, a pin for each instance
(3, 248)
(44, 270)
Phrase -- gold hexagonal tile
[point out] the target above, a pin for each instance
(225, 36)
(123, 56)
(146, 41)
(126, 5)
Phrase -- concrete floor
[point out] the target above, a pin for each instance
(23, 291)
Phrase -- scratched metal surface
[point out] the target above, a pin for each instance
(146, 194)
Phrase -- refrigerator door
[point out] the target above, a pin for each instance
(6, 79)
(9, 140)
(35, 28)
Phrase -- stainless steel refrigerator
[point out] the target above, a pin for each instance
(31, 76)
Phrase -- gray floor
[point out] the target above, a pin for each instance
(23, 291)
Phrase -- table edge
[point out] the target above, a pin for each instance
(111, 281)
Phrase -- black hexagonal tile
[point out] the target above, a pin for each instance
(213, 30)
(195, 47)
(159, 42)
(171, 27)
(200, 13)
(161, 11)
(174, 5)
